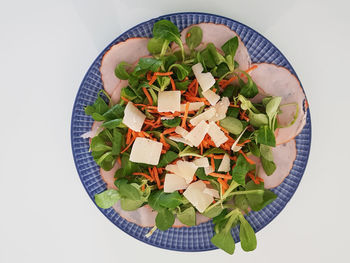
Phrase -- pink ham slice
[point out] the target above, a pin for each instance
(284, 156)
(95, 129)
(129, 51)
(278, 81)
(115, 97)
(143, 216)
(218, 35)
(108, 176)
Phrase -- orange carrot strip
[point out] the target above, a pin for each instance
(223, 183)
(144, 175)
(124, 99)
(153, 79)
(173, 86)
(206, 182)
(143, 188)
(185, 115)
(196, 88)
(221, 175)
(150, 101)
(192, 83)
(234, 106)
(128, 136)
(170, 130)
(165, 144)
(155, 173)
(212, 163)
(128, 146)
(151, 173)
(225, 83)
(181, 191)
(246, 157)
(163, 73)
(201, 146)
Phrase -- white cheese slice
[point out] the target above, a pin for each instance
(192, 107)
(187, 170)
(205, 80)
(181, 131)
(133, 117)
(180, 139)
(208, 114)
(208, 170)
(221, 109)
(169, 101)
(198, 133)
(195, 195)
(216, 134)
(234, 146)
(201, 162)
(225, 164)
(145, 151)
(173, 168)
(212, 192)
(211, 96)
(173, 182)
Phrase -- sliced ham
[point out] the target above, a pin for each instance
(129, 51)
(108, 176)
(274, 80)
(95, 129)
(115, 97)
(283, 156)
(145, 216)
(219, 34)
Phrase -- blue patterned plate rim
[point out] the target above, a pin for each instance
(306, 132)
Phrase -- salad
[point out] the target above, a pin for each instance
(187, 130)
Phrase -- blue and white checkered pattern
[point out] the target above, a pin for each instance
(195, 238)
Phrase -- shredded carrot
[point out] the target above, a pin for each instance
(221, 175)
(223, 183)
(165, 144)
(128, 136)
(225, 83)
(214, 89)
(242, 143)
(206, 182)
(192, 83)
(119, 160)
(181, 191)
(234, 106)
(149, 75)
(153, 79)
(212, 163)
(170, 130)
(160, 170)
(161, 187)
(145, 175)
(143, 188)
(196, 88)
(194, 178)
(128, 146)
(173, 86)
(246, 157)
(213, 156)
(256, 180)
(151, 173)
(201, 146)
(155, 174)
(147, 126)
(124, 99)
(185, 115)
(150, 101)
(163, 73)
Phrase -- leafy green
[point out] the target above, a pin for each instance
(171, 122)
(194, 37)
(128, 93)
(230, 91)
(224, 240)
(249, 89)
(201, 174)
(130, 205)
(269, 166)
(153, 200)
(187, 217)
(164, 219)
(120, 70)
(266, 136)
(97, 109)
(168, 61)
(266, 152)
(128, 191)
(246, 235)
(151, 64)
(155, 45)
(230, 47)
(117, 142)
(241, 202)
(215, 211)
(107, 198)
(98, 144)
(182, 85)
(116, 123)
(254, 149)
(116, 112)
(164, 29)
(213, 151)
(170, 200)
(128, 167)
(241, 169)
(181, 70)
(167, 158)
(232, 125)
(257, 201)
(190, 151)
(258, 119)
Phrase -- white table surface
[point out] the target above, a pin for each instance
(45, 49)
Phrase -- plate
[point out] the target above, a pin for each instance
(195, 238)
